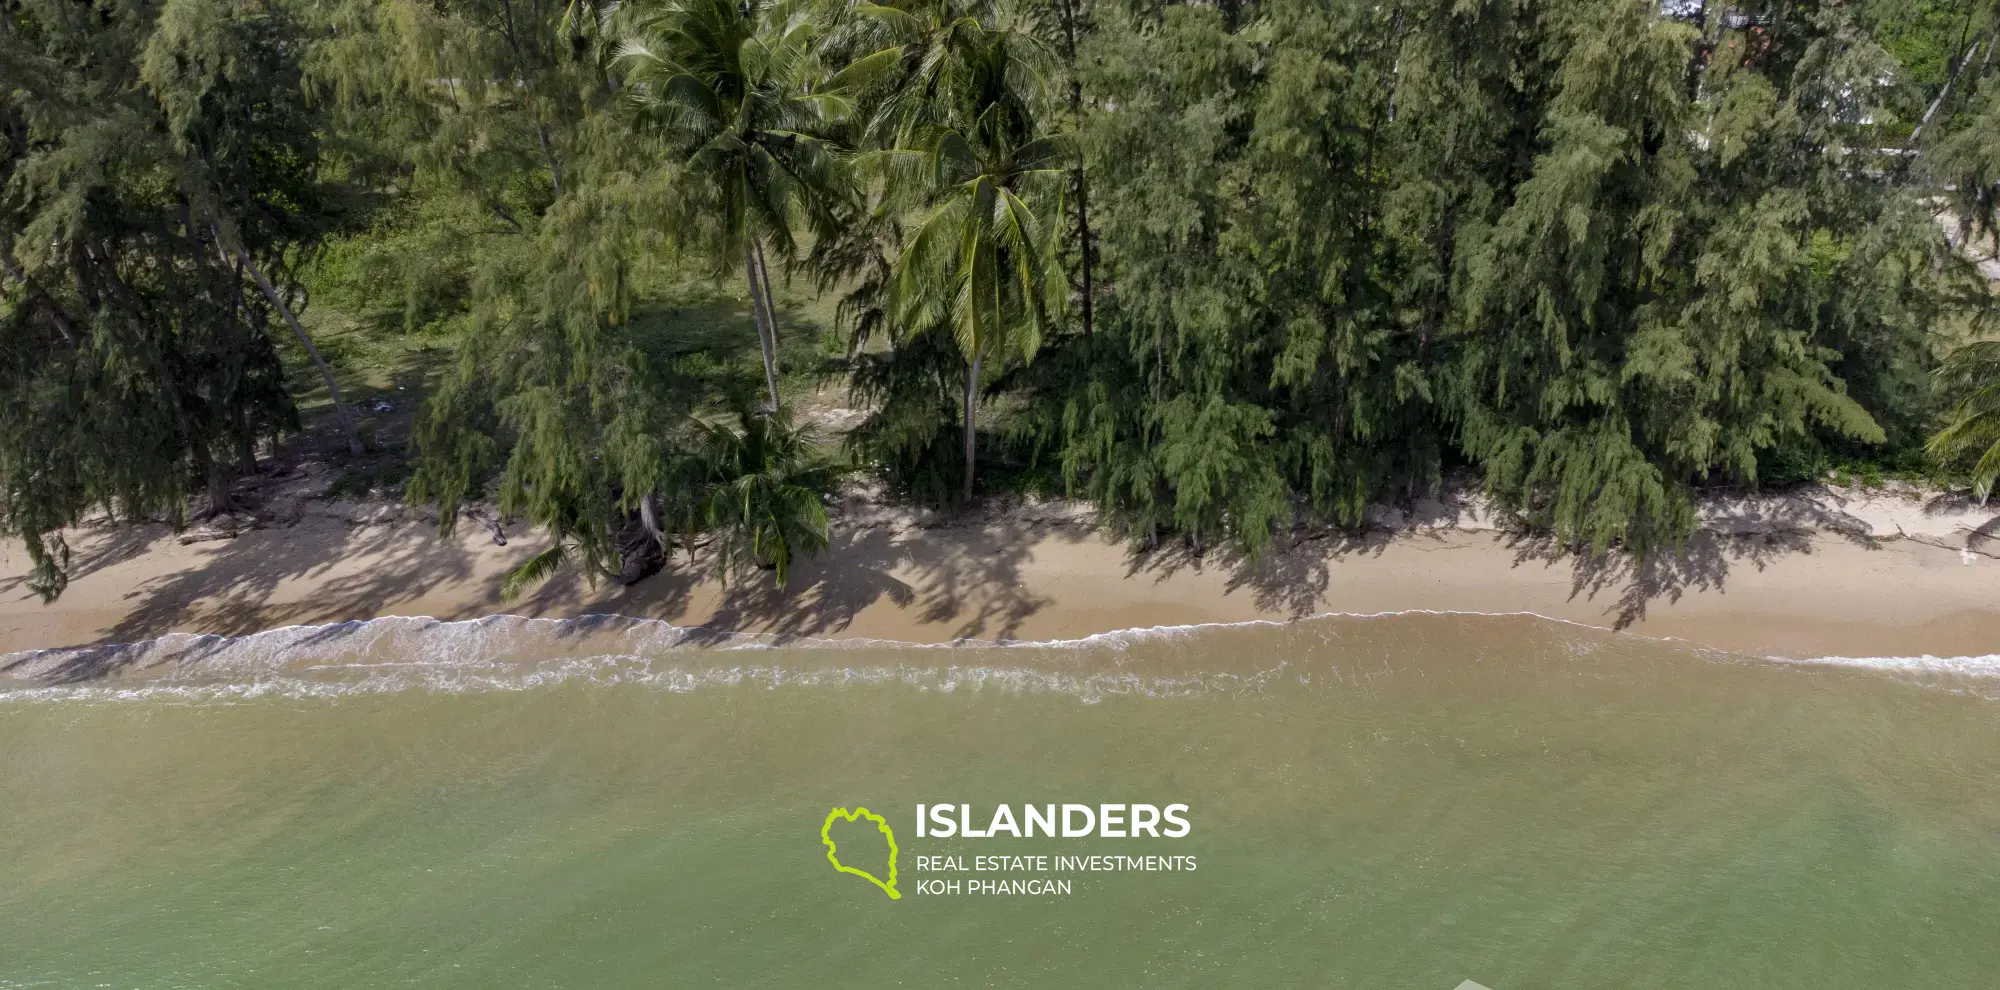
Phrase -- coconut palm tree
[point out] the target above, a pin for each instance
(735, 89)
(1975, 421)
(981, 263)
(754, 483)
(762, 491)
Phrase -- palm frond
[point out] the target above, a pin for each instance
(534, 571)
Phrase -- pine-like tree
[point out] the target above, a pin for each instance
(157, 182)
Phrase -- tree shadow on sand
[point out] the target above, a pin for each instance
(229, 594)
(966, 577)
(1290, 579)
(1633, 583)
(1293, 579)
(1751, 532)
(121, 543)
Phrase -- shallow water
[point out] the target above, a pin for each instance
(1397, 801)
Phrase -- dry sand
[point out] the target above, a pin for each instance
(1811, 574)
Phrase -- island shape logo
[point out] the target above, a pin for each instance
(833, 853)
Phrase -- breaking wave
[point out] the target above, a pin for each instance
(517, 653)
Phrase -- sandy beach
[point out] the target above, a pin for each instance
(1819, 572)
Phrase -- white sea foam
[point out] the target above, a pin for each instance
(349, 681)
(1987, 665)
(432, 635)
(517, 653)
(1978, 676)
(501, 653)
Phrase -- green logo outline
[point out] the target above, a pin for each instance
(833, 854)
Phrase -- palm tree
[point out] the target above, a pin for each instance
(982, 260)
(755, 483)
(735, 90)
(1975, 421)
(763, 490)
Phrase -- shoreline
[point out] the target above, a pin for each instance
(1811, 573)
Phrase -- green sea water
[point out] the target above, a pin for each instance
(1402, 801)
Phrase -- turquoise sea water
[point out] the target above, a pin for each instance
(1400, 801)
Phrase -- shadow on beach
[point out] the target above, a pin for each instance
(962, 578)
(230, 593)
(1293, 578)
(967, 578)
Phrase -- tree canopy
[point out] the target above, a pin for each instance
(1218, 267)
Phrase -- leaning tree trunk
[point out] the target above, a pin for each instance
(766, 334)
(971, 424)
(1932, 110)
(770, 312)
(1083, 234)
(340, 409)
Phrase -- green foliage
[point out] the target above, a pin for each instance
(1974, 430)
(1646, 314)
(1968, 160)
(157, 162)
(1265, 335)
(1348, 244)
(915, 392)
(412, 269)
(491, 98)
(1223, 266)
(462, 122)
(969, 157)
(737, 96)
(554, 384)
(736, 93)
(536, 569)
(759, 489)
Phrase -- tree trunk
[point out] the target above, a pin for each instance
(641, 552)
(1069, 26)
(340, 409)
(770, 310)
(555, 162)
(61, 319)
(246, 444)
(1932, 110)
(216, 475)
(971, 424)
(765, 338)
(1699, 51)
(1083, 234)
(649, 517)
